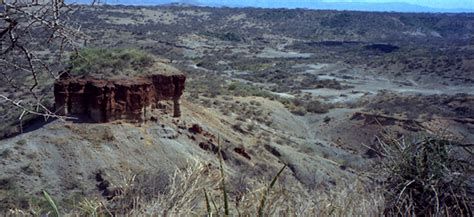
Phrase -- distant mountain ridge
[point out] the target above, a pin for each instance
(349, 6)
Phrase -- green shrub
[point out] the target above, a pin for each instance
(316, 107)
(21, 142)
(243, 89)
(298, 110)
(227, 36)
(109, 61)
(337, 21)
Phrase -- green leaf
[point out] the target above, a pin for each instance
(267, 191)
(224, 190)
(51, 203)
(208, 205)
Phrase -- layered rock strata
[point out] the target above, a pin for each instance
(117, 99)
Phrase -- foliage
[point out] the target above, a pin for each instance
(338, 20)
(315, 106)
(227, 36)
(428, 22)
(278, 14)
(267, 191)
(109, 61)
(298, 110)
(243, 89)
(141, 195)
(51, 203)
(223, 184)
(427, 178)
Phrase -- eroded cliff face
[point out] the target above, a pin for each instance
(117, 99)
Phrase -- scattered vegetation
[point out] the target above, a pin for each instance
(338, 20)
(227, 36)
(197, 190)
(21, 142)
(109, 61)
(243, 89)
(424, 178)
(432, 177)
(315, 106)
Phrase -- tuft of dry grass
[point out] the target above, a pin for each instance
(431, 177)
(178, 194)
(197, 190)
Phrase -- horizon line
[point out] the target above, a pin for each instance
(344, 6)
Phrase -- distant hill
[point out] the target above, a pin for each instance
(355, 6)
(352, 6)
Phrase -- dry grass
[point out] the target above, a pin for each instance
(427, 178)
(187, 191)
(184, 193)
(431, 177)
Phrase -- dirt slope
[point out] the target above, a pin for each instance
(64, 158)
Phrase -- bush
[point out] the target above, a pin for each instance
(237, 126)
(243, 89)
(316, 107)
(109, 61)
(251, 127)
(428, 178)
(300, 111)
(227, 36)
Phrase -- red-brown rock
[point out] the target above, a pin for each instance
(108, 100)
(242, 152)
(195, 128)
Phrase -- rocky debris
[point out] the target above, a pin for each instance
(272, 150)
(104, 187)
(109, 100)
(163, 132)
(327, 119)
(384, 120)
(196, 129)
(181, 125)
(207, 141)
(242, 152)
(209, 146)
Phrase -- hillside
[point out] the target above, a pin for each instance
(319, 91)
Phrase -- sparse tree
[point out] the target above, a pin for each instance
(35, 38)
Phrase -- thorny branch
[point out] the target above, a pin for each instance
(31, 32)
(46, 114)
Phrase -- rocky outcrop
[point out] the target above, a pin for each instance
(108, 100)
(196, 129)
(385, 120)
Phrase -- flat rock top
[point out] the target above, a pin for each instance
(160, 66)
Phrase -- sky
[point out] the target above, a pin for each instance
(363, 5)
(445, 4)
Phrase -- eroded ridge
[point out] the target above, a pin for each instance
(105, 100)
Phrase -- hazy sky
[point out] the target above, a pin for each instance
(446, 4)
(437, 4)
